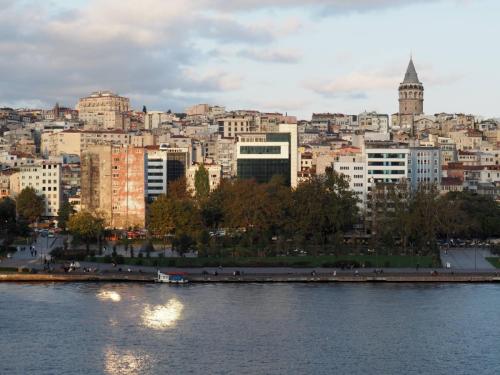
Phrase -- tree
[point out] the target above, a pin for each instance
(178, 189)
(161, 220)
(481, 214)
(176, 215)
(323, 209)
(30, 206)
(64, 213)
(86, 226)
(423, 218)
(201, 183)
(144, 109)
(8, 224)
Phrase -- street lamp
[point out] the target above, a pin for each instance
(475, 258)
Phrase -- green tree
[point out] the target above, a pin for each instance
(8, 224)
(87, 226)
(423, 218)
(63, 214)
(481, 214)
(161, 220)
(30, 206)
(201, 183)
(323, 209)
(176, 215)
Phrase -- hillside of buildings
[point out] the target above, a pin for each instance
(271, 183)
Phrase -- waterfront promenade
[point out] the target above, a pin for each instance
(258, 275)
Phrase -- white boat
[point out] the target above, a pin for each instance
(172, 278)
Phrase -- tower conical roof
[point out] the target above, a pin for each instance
(411, 74)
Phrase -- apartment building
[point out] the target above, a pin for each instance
(353, 166)
(75, 141)
(103, 110)
(114, 184)
(45, 178)
(157, 166)
(424, 166)
(214, 176)
(230, 126)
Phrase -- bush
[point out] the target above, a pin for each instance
(346, 264)
(61, 254)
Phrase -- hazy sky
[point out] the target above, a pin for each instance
(273, 55)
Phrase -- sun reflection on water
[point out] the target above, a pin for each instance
(125, 362)
(109, 295)
(162, 316)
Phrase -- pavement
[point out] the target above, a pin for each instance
(461, 260)
(467, 259)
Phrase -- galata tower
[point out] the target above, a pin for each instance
(411, 93)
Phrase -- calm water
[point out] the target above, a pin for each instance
(249, 329)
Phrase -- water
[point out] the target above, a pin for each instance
(249, 329)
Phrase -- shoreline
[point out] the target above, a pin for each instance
(255, 278)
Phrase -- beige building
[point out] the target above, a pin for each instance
(232, 125)
(214, 176)
(197, 110)
(103, 110)
(114, 184)
(76, 141)
(5, 184)
(467, 139)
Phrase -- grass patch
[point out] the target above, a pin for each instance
(8, 270)
(385, 261)
(495, 261)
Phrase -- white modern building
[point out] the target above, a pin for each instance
(45, 178)
(354, 167)
(157, 161)
(424, 166)
(386, 162)
(260, 156)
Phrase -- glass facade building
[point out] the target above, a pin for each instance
(263, 170)
(263, 156)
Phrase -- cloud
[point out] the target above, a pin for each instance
(212, 80)
(149, 49)
(328, 6)
(280, 105)
(354, 85)
(139, 48)
(287, 56)
(357, 85)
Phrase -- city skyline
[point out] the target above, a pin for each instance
(269, 56)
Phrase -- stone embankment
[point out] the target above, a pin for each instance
(254, 278)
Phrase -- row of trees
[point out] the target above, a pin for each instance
(257, 219)
(271, 218)
(416, 220)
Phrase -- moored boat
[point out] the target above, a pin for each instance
(171, 278)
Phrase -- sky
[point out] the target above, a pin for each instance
(291, 56)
